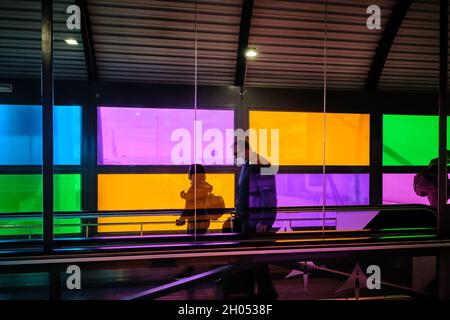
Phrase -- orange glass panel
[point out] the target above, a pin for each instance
(301, 137)
(156, 223)
(155, 191)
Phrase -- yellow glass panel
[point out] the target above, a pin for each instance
(155, 191)
(301, 137)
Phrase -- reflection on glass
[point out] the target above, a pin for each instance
(155, 191)
(398, 188)
(201, 204)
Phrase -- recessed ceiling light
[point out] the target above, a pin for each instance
(71, 42)
(251, 53)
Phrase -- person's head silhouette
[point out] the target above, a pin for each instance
(198, 170)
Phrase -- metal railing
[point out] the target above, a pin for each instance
(86, 227)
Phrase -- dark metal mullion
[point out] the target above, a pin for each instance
(242, 116)
(376, 157)
(403, 169)
(244, 34)
(443, 261)
(47, 123)
(90, 183)
(160, 169)
(443, 220)
(329, 169)
(88, 41)
(38, 169)
(398, 14)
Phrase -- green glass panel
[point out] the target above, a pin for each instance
(23, 193)
(33, 226)
(67, 195)
(410, 140)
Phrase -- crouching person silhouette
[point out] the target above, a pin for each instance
(196, 198)
(201, 206)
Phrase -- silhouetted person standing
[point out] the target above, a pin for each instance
(256, 204)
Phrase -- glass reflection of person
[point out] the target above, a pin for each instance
(256, 204)
(426, 182)
(195, 211)
(196, 197)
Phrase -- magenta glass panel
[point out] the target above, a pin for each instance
(145, 136)
(306, 189)
(398, 189)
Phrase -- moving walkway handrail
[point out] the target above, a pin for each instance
(142, 224)
(96, 214)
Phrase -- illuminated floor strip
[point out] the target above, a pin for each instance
(314, 249)
(324, 239)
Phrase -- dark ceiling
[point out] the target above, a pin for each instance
(153, 41)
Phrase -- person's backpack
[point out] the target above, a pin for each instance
(216, 206)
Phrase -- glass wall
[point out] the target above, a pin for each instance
(410, 143)
(20, 126)
(21, 187)
(169, 85)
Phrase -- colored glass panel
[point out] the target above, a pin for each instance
(341, 220)
(23, 192)
(156, 223)
(155, 191)
(33, 226)
(21, 135)
(307, 189)
(149, 136)
(398, 189)
(301, 136)
(410, 140)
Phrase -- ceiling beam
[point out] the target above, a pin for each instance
(88, 41)
(387, 39)
(244, 33)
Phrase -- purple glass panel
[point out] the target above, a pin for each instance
(289, 221)
(398, 189)
(348, 220)
(145, 136)
(306, 189)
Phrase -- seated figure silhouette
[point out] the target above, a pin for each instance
(426, 182)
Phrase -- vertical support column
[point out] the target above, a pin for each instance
(47, 122)
(242, 121)
(376, 157)
(443, 222)
(89, 179)
(443, 266)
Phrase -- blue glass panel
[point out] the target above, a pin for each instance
(67, 134)
(21, 135)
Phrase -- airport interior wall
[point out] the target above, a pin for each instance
(114, 156)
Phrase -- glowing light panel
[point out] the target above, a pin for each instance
(301, 136)
(144, 136)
